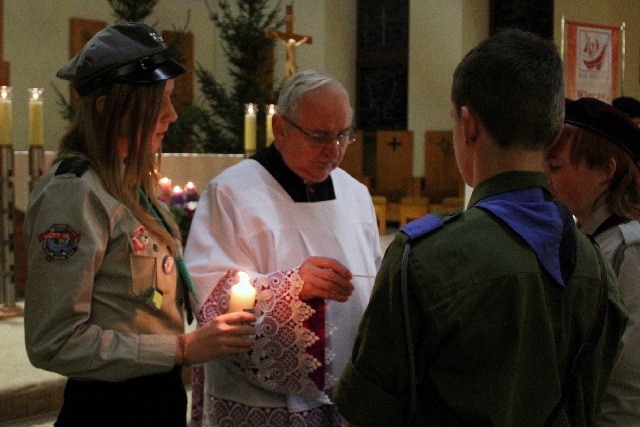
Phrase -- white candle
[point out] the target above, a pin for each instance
(270, 113)
(6, 116)
(243, 295)
(250, 128)
(36, 124)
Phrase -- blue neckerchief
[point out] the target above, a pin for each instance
(536, 220)
(422, 226)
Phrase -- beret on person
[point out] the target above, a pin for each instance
(131, 53)
(606, 120)
(628, 105)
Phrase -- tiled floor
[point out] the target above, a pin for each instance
(34, 394)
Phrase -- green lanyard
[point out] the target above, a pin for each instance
(182, 267)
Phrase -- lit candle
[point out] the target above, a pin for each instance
(6, 117)
(243, 295)
(190, 192)
(270, 112)
(36, 124)
(165, 185)
(250, 128)
(178, 196)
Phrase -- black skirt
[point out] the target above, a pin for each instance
(154, 400)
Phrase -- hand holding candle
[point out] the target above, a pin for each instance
(243, 294)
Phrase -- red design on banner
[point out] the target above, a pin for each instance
(592, 61)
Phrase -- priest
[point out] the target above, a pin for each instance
(305, 231)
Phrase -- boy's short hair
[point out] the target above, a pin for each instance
(513, 81)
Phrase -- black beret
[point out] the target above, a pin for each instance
(132, 53)
(628, 105)
(606, 120)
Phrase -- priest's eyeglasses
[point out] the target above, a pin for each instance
(344, 139)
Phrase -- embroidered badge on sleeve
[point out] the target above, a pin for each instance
(59, 242)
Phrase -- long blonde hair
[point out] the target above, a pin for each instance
(129, 112)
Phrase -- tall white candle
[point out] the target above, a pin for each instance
(270, 112)
(243, 295)
(250, 128)
(36, 123)
(6, 116)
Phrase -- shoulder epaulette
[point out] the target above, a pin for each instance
(427, 224)
(74, 165)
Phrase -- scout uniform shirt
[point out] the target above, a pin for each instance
(102, 300)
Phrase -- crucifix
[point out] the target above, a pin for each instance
(290, 40)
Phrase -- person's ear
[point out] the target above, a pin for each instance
(100, 103)
(610, 168)
(470, 128)
(277, 123)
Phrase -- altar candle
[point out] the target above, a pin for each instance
(165, 185)
(270, 112)
(6, 116)
(190, 192)
(250, 128)
(36, 124)
(178, 196)
(243, 295)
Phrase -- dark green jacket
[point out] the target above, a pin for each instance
(492, 331)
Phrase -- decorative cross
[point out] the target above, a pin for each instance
(290, 40)
(394, 143)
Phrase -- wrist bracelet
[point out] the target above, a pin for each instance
(183, 348)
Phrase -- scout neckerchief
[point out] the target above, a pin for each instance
(186, 282)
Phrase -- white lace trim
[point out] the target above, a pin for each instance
(278, 361)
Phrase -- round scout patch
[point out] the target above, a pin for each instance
(59, 242)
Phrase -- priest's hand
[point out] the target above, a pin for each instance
(226, 334)
(325, 278)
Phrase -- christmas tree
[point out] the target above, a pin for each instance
(220, 121)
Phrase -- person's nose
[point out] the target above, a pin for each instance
(168, 113)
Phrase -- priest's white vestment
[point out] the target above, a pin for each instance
(246, 221)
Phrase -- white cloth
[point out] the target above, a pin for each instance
(621, 247)
(246, 221)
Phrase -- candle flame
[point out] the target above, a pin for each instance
(165, 180)
(272, 109)
(190, 186)
(177, 189)
(244, 277)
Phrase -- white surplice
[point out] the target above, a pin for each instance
(246, 221)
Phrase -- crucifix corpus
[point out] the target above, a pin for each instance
(290, 40)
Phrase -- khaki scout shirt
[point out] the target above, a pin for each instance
(90, 311)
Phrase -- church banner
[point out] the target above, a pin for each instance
(592, 61)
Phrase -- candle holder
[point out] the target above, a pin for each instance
(36, 136)
(250, 129)
(8, 306)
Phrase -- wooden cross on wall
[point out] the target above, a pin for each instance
(5, 76)
(290, 40)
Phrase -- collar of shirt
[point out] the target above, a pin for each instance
(301, 192)
(595, 221)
